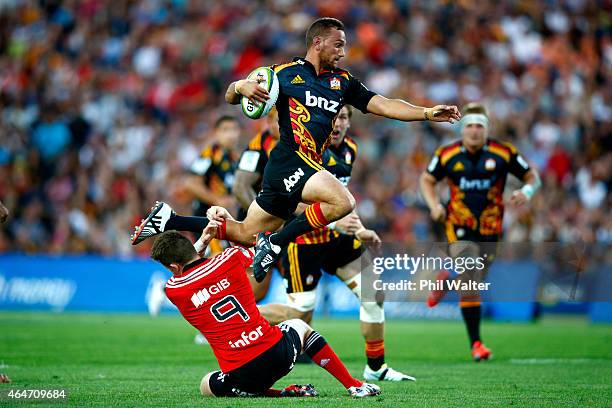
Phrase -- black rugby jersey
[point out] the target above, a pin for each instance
(255, 157)
(308, 104)
(216, 166)
(477, 181)
(339, 160)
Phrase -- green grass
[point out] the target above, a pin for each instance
(133, 360)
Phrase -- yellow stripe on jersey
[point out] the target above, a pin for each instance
(309, 161)
(255, 143)
(450, 232)
(500, 151)
(510, 146)
(351, 144)
(449, 154)
(280, 67)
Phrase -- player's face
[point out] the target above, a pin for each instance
(341, 126)
(474, 136)
(331, 48)
(228, 133)
(273, 123)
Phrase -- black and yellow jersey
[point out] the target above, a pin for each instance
(308, 104)
(255, 157)
(339, 162)
(475, 209)
(216, 166)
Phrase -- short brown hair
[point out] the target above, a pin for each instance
(320, 27)
(173, 247)
(349, 109)
(225, 118)
(475, 107)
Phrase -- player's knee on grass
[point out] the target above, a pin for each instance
(205, 385)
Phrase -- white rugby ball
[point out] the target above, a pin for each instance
(268, 80)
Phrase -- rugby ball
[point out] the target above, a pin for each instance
(268, 80)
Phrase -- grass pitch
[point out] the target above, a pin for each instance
(134, 360)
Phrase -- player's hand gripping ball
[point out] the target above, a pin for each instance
(267, 79)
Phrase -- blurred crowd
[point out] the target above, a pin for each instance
(105, 104)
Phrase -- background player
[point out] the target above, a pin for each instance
(212, 174)
(312, 91)
(210, 183)
(338, 254)
(214, 296)
(248, 177)
(250, 169)
(476, 168)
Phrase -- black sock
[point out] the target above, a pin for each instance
(183, 223)
(313, 344)
(376, 362)
(471, 317)
(293, 229)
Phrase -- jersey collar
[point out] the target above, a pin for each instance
(193, 265)
(309, 65)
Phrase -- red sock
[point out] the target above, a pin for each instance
(320, 352)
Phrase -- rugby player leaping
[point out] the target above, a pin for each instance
(312, 91)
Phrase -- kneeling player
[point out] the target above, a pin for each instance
(214, 296)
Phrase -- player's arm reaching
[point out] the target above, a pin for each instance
(405, 111)
(245, 87)
(352, 225)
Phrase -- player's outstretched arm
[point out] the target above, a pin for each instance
(245, 87)
(402, 110)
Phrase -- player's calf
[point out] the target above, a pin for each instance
(316, 347)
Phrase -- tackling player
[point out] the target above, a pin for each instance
(215, 297)
(312, 91)
(337, 254)
(476, 168)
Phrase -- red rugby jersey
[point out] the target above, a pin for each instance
(214, 295)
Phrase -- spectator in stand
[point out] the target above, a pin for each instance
(104, 104)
